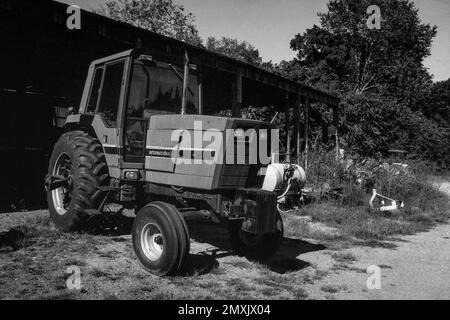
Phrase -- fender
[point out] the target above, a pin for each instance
(84, 120)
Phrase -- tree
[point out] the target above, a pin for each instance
(233, 48)
(388, 61)
(379, 74)
(160, 16)
(438, 103)
(373, 125)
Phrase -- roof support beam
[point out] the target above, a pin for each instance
(336, 126)
(237, 94)
(297, 106)
(306, 113)
(200, 93)
(287, 127)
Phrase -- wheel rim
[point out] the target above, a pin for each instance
(62, 196)
(152, 242)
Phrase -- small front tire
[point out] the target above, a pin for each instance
(160, 239)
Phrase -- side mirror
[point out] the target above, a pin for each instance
(146, 103)
(71, 110)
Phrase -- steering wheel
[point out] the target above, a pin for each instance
(130, 142)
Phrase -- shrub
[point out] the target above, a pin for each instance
(373, 125)
(424, 204)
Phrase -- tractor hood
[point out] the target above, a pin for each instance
(205, 151)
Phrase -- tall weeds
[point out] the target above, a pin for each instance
(354, 178)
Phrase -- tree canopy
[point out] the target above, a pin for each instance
(161, 16)
(344, 55)
(378, 73)
(231, 47)
(170, 19)
(437, 105)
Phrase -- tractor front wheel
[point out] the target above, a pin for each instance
(160, 239)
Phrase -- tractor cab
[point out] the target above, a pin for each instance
(126, 89)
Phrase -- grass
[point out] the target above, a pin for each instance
(238, 285)
(316, 275)
(342, 266)
(332, 288)
(109, 270)
(343, 256)
(300, 228)
(242, 264)
(359, 223)
(98, 273)
(349, 214)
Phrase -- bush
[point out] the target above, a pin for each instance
(411, 185)
(373, 125)
(355, 177)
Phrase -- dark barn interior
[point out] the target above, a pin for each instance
(44, 66)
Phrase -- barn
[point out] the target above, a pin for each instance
(44, 66)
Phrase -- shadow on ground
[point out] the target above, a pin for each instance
(215, 235)
(109, 224)
(286, 260)
(200, 263)
(11, 240)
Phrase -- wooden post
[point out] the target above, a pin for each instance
(200, 93)
(297, 135)
(185, 83)
(237, 95)
(287, 127)
(336, 128)
(306, 113)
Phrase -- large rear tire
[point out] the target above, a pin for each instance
(257, 247)
(161, 239)
(79, 158)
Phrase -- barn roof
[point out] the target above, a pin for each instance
(136, 36)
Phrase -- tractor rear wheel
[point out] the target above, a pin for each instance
(258, 247)
(79, 166)
(161, 239)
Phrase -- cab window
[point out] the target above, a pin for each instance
(95, 89)
(110, 92)
(158, 89)
(155, 88)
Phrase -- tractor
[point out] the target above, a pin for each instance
(128, 144)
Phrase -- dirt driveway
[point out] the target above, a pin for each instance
(417, 268)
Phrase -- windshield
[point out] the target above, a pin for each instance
(157, 88)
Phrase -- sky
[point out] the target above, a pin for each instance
(270, 27)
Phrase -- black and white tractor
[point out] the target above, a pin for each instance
(120, 147)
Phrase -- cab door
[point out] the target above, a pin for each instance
(135, 124)
(105, 100)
